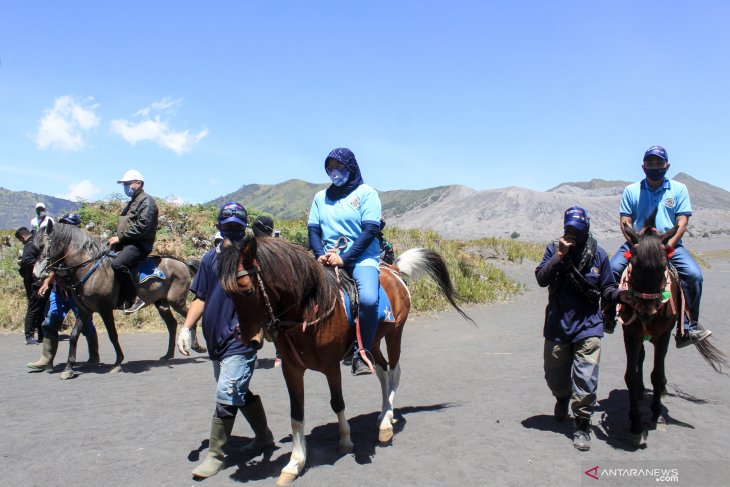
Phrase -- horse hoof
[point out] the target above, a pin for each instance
(116, 369)
(165, 358)
(67, 374)
(286, 479)
(385, 436)
(93, 361)
(200, 349)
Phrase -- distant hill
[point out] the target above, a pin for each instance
(17, 208)
(293, 198)
(288, 200)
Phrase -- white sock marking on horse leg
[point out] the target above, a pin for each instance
(298, 451)
(383, 376)
(345, 445)
(394, 383)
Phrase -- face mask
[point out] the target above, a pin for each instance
(655, 174)
(128, 191)
(42, 214)
(236, 236)
(339, 176)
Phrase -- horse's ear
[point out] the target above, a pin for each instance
(248, 249)
(49, 227)
(669, 234)
(629, 230)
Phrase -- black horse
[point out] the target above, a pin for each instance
(657, 307)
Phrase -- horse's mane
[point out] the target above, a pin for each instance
(649, 259)
(65, 236)
(287, 270)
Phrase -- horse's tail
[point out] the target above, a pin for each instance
(418, 262)
(713, 355)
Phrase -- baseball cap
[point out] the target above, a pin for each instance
(233, 212)
(656, 150)
(40, 205)
(577, 217)
(263, 226)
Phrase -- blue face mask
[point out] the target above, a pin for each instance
(655, 174)
(128, 191)
(339, 176)
(235, 236)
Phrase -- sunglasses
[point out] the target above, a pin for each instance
(228, 213)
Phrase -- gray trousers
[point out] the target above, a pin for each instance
(571, 369)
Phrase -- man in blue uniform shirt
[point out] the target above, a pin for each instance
(671, 201)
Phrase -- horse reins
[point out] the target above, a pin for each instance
(275, 324)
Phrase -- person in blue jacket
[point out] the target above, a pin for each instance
(578, 275)
(343, 226)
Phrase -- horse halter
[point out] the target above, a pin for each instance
(658, 296)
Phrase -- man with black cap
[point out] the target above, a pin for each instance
(263, 226)
(670, 199)
(577, 273)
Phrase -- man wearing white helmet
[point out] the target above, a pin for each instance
(41, 218)
(136, 233)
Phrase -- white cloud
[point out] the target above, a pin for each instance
(148, 125)
(63, 126)
(83, 190)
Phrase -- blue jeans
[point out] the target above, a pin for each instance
(233, 375)
(58, 308)
(689, 273)
(368, 283)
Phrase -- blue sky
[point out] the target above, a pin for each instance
(203, 97)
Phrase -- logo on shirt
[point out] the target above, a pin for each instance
(595, 270)
(669, 202)
(355, 202)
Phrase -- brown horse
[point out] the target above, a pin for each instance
(657, 307)
(279, 288)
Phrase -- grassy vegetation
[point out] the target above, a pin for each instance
(186, 231)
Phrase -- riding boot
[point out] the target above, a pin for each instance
(254, 413)
(50, 345)
(220, 432)
(582, 434)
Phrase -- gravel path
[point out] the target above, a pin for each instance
(473, 409)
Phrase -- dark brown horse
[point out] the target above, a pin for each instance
(657, 307)
(280, 289)
(81, 262)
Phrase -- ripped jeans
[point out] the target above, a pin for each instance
(233, 375)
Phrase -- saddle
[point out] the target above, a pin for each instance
(348, 288)
(147, 270)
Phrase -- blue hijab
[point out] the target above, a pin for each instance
(346, 157)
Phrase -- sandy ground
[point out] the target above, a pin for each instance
(473, 409)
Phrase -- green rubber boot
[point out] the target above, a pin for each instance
(256, 417)
(220, 432)
(50, 345)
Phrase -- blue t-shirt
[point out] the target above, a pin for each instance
(219, 314)
(671, 200)
(344, 218)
